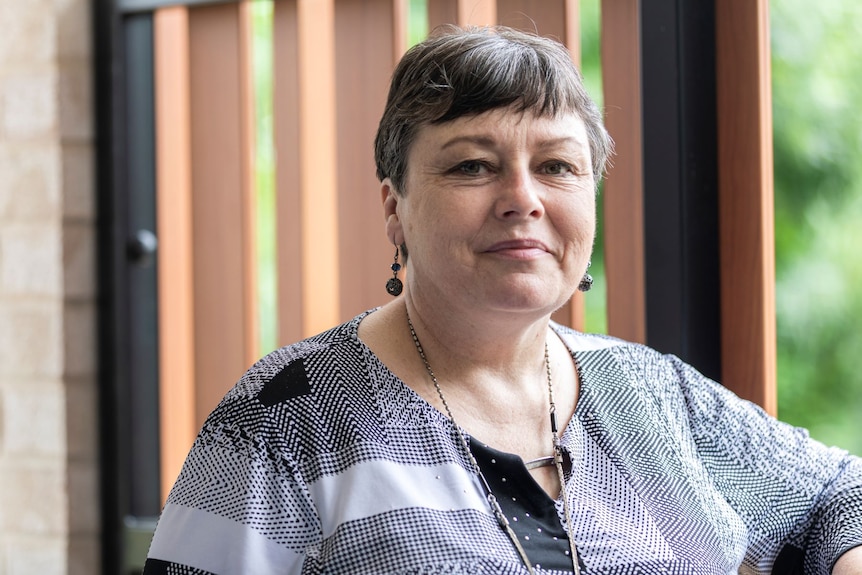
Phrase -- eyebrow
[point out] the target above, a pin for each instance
(481, 140)
(489, 141)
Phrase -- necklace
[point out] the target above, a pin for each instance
(557, 459)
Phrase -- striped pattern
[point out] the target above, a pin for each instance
(321, 461)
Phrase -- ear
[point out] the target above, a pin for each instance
(391, 201)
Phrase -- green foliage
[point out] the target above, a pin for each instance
(816, 67)
(417, 21)
(264, 172)
(815, 70)
(591, 67)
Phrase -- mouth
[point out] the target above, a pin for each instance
(525, 248)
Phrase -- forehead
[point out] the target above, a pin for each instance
(504, 128)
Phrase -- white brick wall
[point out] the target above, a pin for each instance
(49, 515)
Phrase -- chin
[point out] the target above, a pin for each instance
(536, 301)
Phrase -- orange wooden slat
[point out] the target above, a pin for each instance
(462, 12)
(288, 183)
(365, 36)
(177, 423)
(623, 190)
(248, 190)
(477, 12)
(572, 34)
(442, 12)
(575, 313)
(544, 17)
(317, 173)
(400, 15)
(746, 200)
(225, 314)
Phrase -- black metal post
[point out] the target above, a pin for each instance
(128, 344)
(681, 180)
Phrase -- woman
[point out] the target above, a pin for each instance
(457, 429)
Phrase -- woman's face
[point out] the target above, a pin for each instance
(498, 211)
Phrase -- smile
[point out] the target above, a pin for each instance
(519, 249)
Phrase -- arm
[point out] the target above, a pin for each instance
(237, 502)
(789, 490)
(850, 563)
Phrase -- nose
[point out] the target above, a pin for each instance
(519, 196)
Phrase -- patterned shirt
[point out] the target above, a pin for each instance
(320, 460)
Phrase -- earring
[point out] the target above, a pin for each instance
(394, 285)
(586, 281)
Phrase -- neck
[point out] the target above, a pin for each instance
(490, 388)
(508, 345)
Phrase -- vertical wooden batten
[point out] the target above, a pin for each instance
(746, 201)
(571, 37)
(442, 12)
(462, 12)
(575, 310)
(251, 300)
(623, 189)
(477, 12)
(225, 314)
(543, 17)
(177, 422)
(365, 36)
(317, 169)
(400, 15)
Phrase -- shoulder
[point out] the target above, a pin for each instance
(292, 391)
(615, 357)
(579, 341)
(298, 369)
(615, 371)
(297, 402)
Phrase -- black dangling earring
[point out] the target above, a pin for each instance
(586, 281)
(394, 285)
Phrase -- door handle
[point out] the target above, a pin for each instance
(141, 248)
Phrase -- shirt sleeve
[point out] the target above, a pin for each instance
(238, 505)
(793, 493)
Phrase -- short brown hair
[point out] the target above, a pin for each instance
(460, 72)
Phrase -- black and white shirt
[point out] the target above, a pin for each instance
(320, 460)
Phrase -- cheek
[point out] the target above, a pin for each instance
(447, 219)
(577, 222)
(428, 228)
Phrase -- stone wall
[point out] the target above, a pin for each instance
(48, 418)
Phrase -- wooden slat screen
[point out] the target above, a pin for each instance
(222, 200)
(748, 336)
(623, 192)
(319, 171)
(370, 39)
(178, 424)
(332, 62)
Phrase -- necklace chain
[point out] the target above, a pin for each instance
(489, 495)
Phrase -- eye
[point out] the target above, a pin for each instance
(471, 168)
(558, 168)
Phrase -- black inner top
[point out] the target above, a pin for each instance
(532, 514)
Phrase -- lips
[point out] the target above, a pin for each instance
(524, 247)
